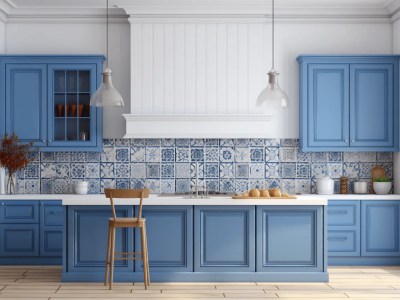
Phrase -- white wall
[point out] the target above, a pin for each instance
(200, 67)
(2, 37)
(80, 38)
(396, 50)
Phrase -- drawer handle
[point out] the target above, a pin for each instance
(339, 238)
(55, 213)
(337, 212)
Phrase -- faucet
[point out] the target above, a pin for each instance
(197, 186)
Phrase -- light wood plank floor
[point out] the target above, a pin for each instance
(43, 283)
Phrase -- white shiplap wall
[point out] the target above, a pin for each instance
(198, 68)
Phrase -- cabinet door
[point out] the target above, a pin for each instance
(19, 240)
(380, 231)
(327, 121)
(224, 239)
(51, 241)
(26, 100)
(51, 213)
(19, 211)
(372, 105)
(72, 122)
(169, 238)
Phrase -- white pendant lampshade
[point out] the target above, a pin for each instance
(107, 95)
(272, 96)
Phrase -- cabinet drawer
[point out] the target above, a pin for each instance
(51, 214)
(343, 214)
(343, 243)
(19, 212)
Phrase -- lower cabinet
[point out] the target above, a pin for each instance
(19, 240)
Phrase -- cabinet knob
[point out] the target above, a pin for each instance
(346, 140)
(2, 203)
(352, 141)
(49, 141)
(44, 141)
(41, 203)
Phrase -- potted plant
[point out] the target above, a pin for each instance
(382, 185)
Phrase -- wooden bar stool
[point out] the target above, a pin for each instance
(137, 222)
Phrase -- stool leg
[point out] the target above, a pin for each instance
(108, 255)
(147, 254)
(112, 256)
(142, 238)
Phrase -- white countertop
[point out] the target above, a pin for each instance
(99, 199)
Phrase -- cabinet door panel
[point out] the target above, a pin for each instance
(26, 102)
(328, 105)
(380, 231)
(51, 213)
(372, 105)
(19, 211)
(19, 240)
(51, 242)
(343, 243)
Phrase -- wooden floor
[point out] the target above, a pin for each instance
(345, 282)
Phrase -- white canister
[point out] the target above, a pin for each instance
(2, 181)
(360, 187)
(82, 187)
(325, 186)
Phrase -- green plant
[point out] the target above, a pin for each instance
(382, 179)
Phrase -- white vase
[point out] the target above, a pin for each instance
(2, 181)
(382, 188)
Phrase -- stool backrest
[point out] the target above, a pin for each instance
(126, 193)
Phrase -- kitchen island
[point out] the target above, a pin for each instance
(217, 239)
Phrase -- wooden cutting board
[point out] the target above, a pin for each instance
(243, 197)
(377, 171)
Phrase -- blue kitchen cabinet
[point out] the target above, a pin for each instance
(169, 237)
(224, 239)
(380, 228)
(19, 240)
(51, 228)
(87, 248)
(288, 239)
(349, 103)
(47, 99)
(19, 211)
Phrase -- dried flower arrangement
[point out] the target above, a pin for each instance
(14, 156)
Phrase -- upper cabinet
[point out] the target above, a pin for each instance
(349, 103)
(46, 100)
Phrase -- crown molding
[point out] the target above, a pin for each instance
(393, 8)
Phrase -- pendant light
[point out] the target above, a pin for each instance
(106, 95)
(272, 96)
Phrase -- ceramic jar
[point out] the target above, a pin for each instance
(82, 187)
(325, 186)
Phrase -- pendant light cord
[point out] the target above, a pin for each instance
(273, 34)
(107, 37)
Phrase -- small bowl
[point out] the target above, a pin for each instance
(382, 188)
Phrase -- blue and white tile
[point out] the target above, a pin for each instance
(197, 143)
(62, 186)
(256, 154)
(211, 154)
(241, 186)
(20, 186)
(168, 186)
(211, 142)
(226, 170)
(335, 170)
(319, 170)
(46, 186)
(288, 143)
(272, 142)
(314, 186)
(47, 170)
(197, 154)
(20, 174)
(303, 157)
(138, 183)
(167, 170)
(122, 154)
(183, 154)
(153, 142)
(32, 171)
(107, 170)
(167, 142)
(241, 142)
(34, 156)
(367, 156)
(257, 142)
(138, 142)
(257, 170)
(122, 170)
(108, 155)
(182, 142)
(388, 169)
(242, 154)
(138, 154)
(168, 154)
(288, 154)
(350, 157)
(32, 186)
(108, 143)
(226, 143)
(182, 170)
(62, 170)
(319, 157)
(153, 154)
(122, 183)
(288, 186)
(212, 185)
(211, 170)
(288, 170)
(351, 170)
(138, 170)
(226, 154)
(303, 170)
(92, 170)
(107, 184)
(384, 157)
(303, 186)
(227, 186)
(77, 156)
(122, 142)
(197, 169)
(182, 185)
(201, 183)
(271, 183)
(335, 156)
(93, 157)
(272, 154)
(153, 185)
(78, 170)
(272, 170)
(242, 170)
(63, 157)
(47, 157)
(153, 170)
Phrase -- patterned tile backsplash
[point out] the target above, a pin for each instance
(169, 165)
